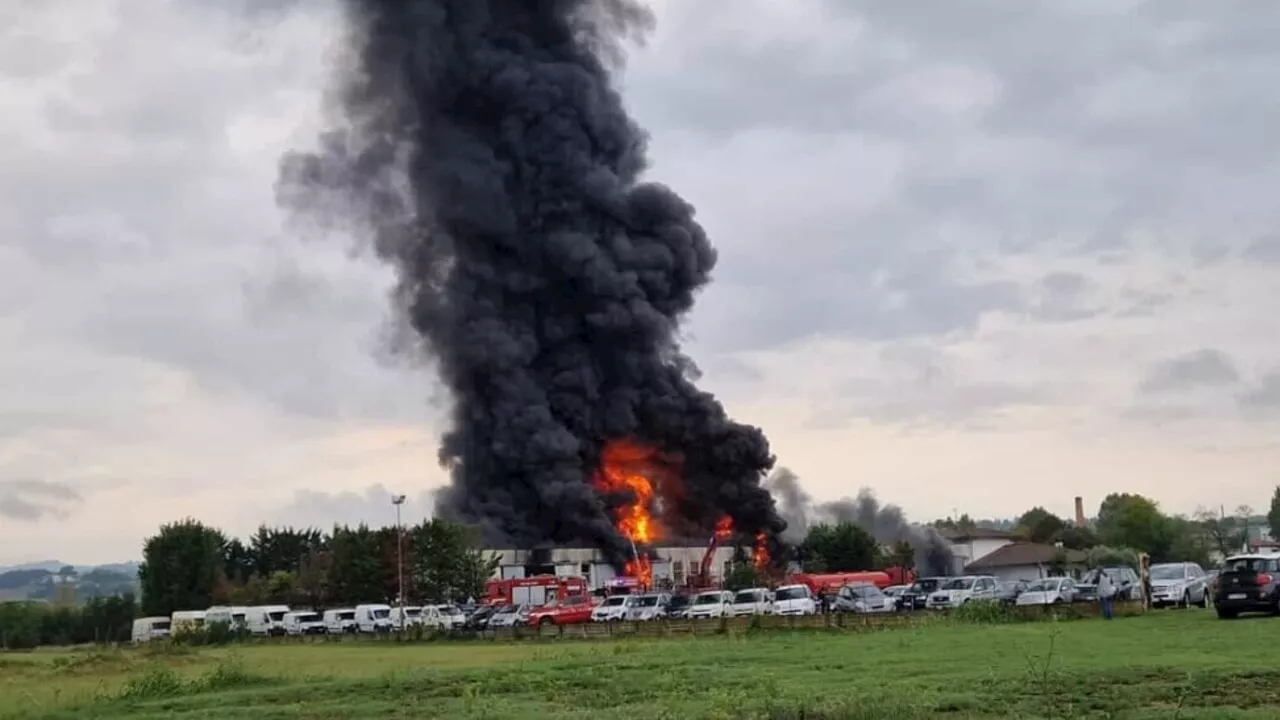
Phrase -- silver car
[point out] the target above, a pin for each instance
(863, 599)
(1184, 584)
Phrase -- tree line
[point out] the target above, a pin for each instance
(188, 565)
(25, 625)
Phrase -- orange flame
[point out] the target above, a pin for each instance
(627, 467)
(761, 553)
(724, 527)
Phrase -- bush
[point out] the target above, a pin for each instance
(985, 612)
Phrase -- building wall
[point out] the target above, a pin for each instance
(673, 563)
(971, 550)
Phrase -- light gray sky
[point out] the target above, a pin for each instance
(976, 256)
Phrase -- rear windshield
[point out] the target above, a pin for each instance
(678, 601)
(347, 615)
(308, 617)
(792, 593)
(160, 625)
(276, 616)
(1251, 565)
(710, 599)
(647, 601)
(748, 596)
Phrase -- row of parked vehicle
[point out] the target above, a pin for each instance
(281, 620)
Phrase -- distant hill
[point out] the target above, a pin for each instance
(46, 580)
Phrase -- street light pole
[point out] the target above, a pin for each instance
(398, 500)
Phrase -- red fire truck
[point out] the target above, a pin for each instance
(535, 590)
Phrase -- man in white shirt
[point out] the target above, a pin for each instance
(1106, 592)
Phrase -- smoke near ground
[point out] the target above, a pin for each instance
(885, 522)
(483, 150)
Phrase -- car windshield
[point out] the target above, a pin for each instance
(1251, 565)
(647, 601)
(792, 593)
(413, 612)
(238, 617)
(1009, 586)
(507, 609)
(160, 625)
(678, 601)
(959, 584)
(927, 584)
(308, 617)
(450, 610)
(1044, 585)
(347, 615)
(381, 614)
(747, 596)
(276, 616)
(1167, 572)
(868, 591)
(615, 601)
(708, 599)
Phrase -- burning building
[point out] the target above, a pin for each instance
(484, 152)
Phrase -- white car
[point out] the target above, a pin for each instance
(510, 616)
(710, 604)
(1048, 591)
(151, 628)
(648, 607)
(374, 618)
(451, 616)
(958, 591)
(613, 609)
(754, 601)
(340, 620)
(794, 600)
(303, 622)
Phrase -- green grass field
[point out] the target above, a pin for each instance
(1183, 664)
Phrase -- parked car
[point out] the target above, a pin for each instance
(613, 608)
(794, 600)
(1048, 591)
(711, 604)
(678, 607)
(572, 610)
(652, 606)
(1124, 578)
(896, 592)
(374, 618)
(233, 616)
(1007, 592)
(753, 601)
(510, 616)
(862, 598)
(1249, 583)
(187, 620)
(266, 620)
(151, 628)
(916, 597)
(340, 620)
(303, 622)
(451, 616)
(1179, 584)
(958, 591)
(479, 620)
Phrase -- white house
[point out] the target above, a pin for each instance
(969, 546)
(1025, 561)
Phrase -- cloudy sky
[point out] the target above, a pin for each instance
(977, 256)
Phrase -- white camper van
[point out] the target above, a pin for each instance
(341, 620)
(303, 622)
(263, 620)
(374, 618)
(231, 616)
(187, 620)
(151, 628)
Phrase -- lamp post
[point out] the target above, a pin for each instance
(398, 500)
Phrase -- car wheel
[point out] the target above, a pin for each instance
(1186, 599)
(1205, 600)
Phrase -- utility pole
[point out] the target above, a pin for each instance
(398, 500)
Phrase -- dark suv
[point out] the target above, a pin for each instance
(915, 597)
(1249, 583)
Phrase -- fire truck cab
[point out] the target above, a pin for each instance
(534, 591)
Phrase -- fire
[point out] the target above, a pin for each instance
(628, 468)
(761, 553)
(724, 527)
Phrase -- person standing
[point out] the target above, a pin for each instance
(1106, 592)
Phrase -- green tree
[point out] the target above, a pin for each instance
(1127, 520)
(358, 570)
(1039, 525)
(1076, 538)
(445, 562)
(1189, 542)
(1224, 534)
(843, 547)
(1273, 514)
(181, 565)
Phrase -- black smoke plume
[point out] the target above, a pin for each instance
(885, 522)
(485, 152)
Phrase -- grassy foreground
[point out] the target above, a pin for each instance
(1184, 664)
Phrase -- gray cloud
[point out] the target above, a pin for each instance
(32, 500)
(1264, 395)
(1206, 367)
(372, 506)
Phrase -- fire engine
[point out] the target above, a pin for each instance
(535, 590)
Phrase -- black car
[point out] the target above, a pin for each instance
(479, 619)
(1007, 592)
(915, 597)
(1249, 583)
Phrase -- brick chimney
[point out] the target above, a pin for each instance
(1079, 511)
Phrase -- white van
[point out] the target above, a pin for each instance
(341, 620)
(710, 604)
(187, 620)
(451, 616)
(752, 601)
(794, 600)
(263, 620)
(233, 616)
(303, 622)
(614, 608)
(374, 618)
(151, 628)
